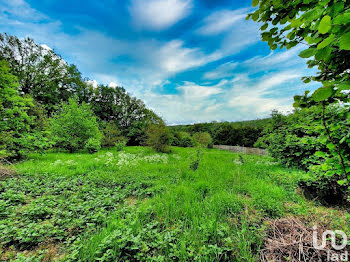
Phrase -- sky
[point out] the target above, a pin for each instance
(189, 60)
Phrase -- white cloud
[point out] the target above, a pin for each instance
(113, 84)
(192, 103)
(154, 61)
(224, 70)
(21, 10)
(221, 21)
(174, 57)
(92, 83)
(158, 14)
(260, 99)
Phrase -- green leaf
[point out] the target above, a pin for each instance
(264, 27)
(255, 16)
(344, 86)
(326, 42)
(324, 53)
(321, 154)
(255, 3)
(330, 146)
(308, 52)
(322, 93)
(325, 24)
(342, 182)
(342, 19)
(344, 42)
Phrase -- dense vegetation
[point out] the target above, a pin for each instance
(141, 205)
(324, 135)
(73, 201)
(244, 133)
(45, 102)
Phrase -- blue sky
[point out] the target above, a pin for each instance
(188, 60)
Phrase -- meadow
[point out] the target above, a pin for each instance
(139, 205)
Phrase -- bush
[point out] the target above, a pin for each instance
(301, 140)
(93, 145)
(74, 125)
(293, 139)
(120, 145)
(159, 138)
(203, 139)
(194, 165)
(182, 139)
(111, 135)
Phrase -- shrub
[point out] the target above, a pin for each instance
(111, 135)
(301, 140)
(120, 145)
(74, 125)
(293, 139)
(196, 161)
(182, 139)
(203, 138)
(159, 138)
(93, 145)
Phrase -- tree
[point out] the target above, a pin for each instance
(203, 138)
(41, 72)
(322, 27)
(74, 125)
(159, 137)
(112, 135)
(17, 137)
(182, 139)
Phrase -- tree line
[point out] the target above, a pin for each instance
(244, 133)
(45, 102)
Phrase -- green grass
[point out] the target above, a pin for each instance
(139, 205)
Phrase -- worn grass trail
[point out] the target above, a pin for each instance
(139, 205)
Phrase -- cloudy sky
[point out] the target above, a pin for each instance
(189, 60)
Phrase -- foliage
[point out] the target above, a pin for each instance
(93, 145)
(293, 139)
(17, 137)
(119, 146)
(195, 162)
(300, 140)
(91, 210)
(41, 72)
(323, 26)
(182, 139)
(111, 135)
(329, 177)
(159, 138)
(74, 125)
(244, 133)
(203, 139)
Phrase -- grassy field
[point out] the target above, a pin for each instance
(140, 205)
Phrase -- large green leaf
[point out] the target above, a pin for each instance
(344, 42)
(324, 53)
(322, 93)
(326, 42)
(325, 24)
(344, 86)
(308, 52)
(255, 3)
(342, 19)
